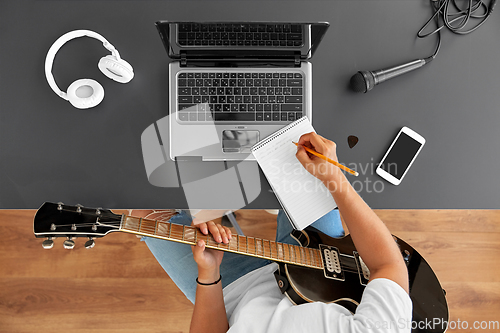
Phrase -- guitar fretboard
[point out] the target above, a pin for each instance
(251, 246)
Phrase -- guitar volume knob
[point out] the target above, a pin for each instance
(406, 255)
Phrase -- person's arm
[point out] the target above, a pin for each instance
(209, 315)
(371, 237)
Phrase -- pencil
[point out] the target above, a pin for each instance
(328, 160)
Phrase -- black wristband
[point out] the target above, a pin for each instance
(209, 284)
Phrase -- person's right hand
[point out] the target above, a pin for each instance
(321, 169)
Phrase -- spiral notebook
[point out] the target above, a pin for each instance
(304, 198)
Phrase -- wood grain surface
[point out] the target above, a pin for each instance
(119, 287)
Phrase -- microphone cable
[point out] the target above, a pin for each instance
(456, 20)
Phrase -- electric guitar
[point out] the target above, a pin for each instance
(320, 269)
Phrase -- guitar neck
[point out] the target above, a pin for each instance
(250, 246)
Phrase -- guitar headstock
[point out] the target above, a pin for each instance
(54, 220)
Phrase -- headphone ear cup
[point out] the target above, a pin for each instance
(85, 93)
(118, 70)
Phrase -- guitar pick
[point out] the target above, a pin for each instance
(352, 140)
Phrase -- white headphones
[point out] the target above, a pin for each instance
(87, 93)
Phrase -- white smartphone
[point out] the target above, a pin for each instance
(400, 156)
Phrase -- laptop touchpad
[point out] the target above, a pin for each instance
(235, 141)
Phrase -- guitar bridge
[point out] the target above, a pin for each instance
(331, 262)
(363, 271)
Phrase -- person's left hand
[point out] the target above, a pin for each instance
(209, 260)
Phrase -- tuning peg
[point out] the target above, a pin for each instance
(90, 243)
(48, 243)
(69, 244)
(60, 205)
(79, 208)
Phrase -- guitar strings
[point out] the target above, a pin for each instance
(178, 235)
(88, 224)
(116, 222)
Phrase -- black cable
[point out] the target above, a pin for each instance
(428, 59)
(474, 10)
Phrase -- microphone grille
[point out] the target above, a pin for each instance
(358, 83)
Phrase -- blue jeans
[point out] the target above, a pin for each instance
(177, 259)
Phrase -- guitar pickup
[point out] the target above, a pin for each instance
(331, 262)
(363, 271)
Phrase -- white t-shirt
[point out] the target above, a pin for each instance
(254, 303)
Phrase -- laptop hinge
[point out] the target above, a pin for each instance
(216, 61)
(183, 59)
(237, 62)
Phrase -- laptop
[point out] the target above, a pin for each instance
(234, 83)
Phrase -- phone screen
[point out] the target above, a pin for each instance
(400, 155)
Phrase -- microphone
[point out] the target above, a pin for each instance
(364, 81)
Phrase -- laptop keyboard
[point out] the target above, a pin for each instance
(240, 96)
(244, 34)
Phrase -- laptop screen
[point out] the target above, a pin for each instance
(240, 40)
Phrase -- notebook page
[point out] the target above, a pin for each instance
(302, 195)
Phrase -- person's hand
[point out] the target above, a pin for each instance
(321, 169)
(209, 260)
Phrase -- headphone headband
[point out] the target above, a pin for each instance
(51, 54)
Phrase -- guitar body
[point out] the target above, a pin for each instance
(302, 284)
